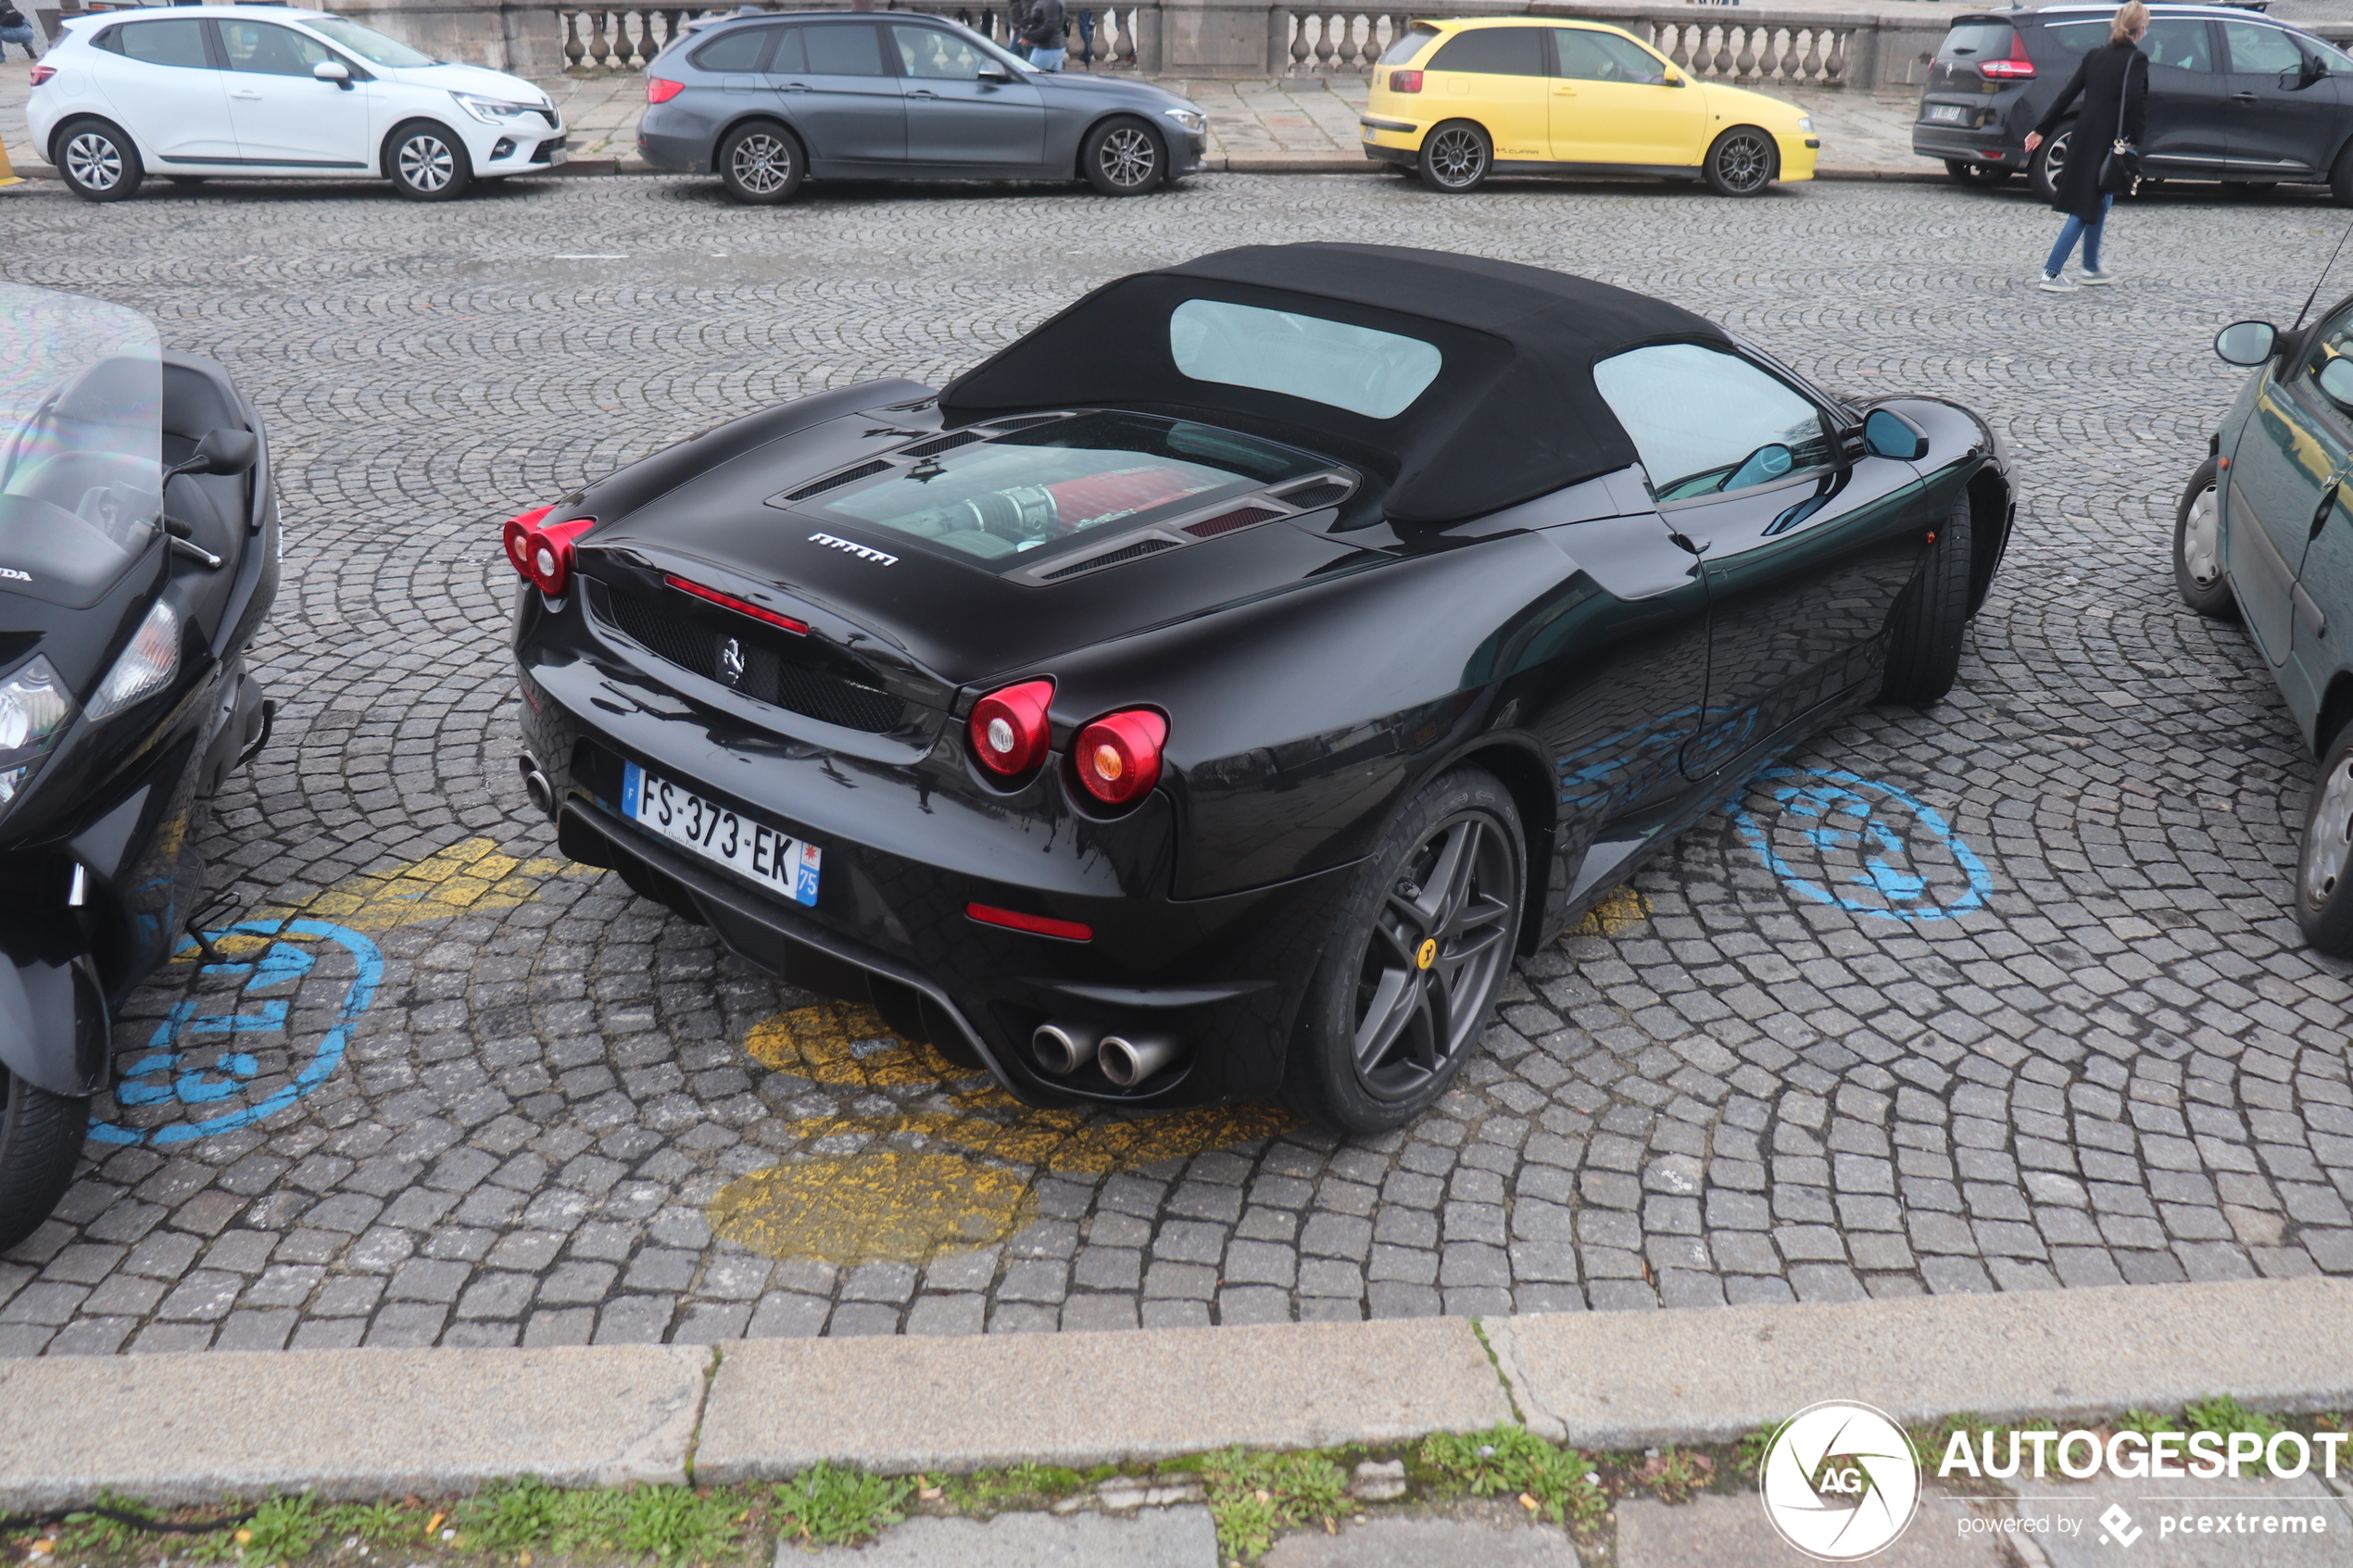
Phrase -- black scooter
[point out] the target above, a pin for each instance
(138, 557)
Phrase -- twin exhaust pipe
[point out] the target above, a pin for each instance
(1124, 1057)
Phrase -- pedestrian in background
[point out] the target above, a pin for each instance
(15, 29)
(2114, 84)
(1047, 35)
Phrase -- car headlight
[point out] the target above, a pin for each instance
(35, 707)
(1806, 124)
(493, 111)
(1192, 120)
(144, 668)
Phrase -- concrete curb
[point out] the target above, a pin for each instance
(358, 1423)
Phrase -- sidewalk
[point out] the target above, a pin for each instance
(380, 1423)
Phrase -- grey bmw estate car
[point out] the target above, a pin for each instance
(767, 101)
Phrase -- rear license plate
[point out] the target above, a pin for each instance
(736, 842)
(1949, 113)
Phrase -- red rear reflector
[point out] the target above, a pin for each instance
(660, 90)
(1404, 81)
(1118, 755)
(1008, 729)
(729, 601)
(1036, 925)
(42, 74)
(2017, 68)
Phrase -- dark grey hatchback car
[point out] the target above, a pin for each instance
(767, 101)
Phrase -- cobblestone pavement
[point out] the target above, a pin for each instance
(1999, 997)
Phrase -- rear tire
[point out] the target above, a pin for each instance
(426, 162)
(97, 162)
(2197, 547)
(1924, 634)
(2341, 178)
(1455, 157)
(40, 1140)
(761, 165)
(1122, 157)
(2042, 169)
(1743, 162)
(1414, 960)
(2324, 855)
(1979, 176)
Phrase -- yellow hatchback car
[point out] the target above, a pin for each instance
(1461, 100)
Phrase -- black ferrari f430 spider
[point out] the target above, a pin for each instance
(1208, 695)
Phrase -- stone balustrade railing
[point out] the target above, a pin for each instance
(1756, 48)
(624, 39)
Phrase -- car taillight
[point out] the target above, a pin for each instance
(741, 606)
(1118, 755)
(2014, 68)
(1008, 729)
(1404, 81)
(42, 74)
(660, 90)
(542, 556)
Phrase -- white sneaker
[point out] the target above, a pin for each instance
(2059, 282)
(2093, 275)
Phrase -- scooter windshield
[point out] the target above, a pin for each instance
(80, 443)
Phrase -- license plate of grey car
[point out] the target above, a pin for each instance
(1948, 112)
(734, 841)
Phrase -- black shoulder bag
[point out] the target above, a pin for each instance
(2121, 169)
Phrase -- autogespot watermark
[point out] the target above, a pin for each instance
(1842, 1481)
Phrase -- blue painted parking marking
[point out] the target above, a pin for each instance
(1861, 845)
(219, 1094)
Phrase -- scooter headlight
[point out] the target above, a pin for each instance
(144, 668)
(35, 707)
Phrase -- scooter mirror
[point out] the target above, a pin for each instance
(221, 451)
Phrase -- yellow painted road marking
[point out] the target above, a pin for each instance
(1614, 916)
(472, 877)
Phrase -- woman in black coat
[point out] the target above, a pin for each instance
(2114, 84)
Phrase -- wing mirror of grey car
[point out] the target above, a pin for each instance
(2336, 379)
(1887, 434)
(221, 451)
(2246, 343)
(334, 71)
(995, 73)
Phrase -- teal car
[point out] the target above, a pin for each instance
(2264, 531)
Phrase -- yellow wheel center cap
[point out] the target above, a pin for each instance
(1428, 955)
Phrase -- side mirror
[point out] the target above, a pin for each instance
(1761, 466)
(994, 72)
(221, 451)
(2336, 379)
(1671, 80)
(1887, 434)
(333, 70)
(2246, 343)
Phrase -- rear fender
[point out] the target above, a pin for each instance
(53, 1025)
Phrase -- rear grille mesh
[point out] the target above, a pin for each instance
(1024, 421)
(834, 481)
(944, 443)
(1136, 551)
(1211, 527)
(1315, 495)
(778, 667)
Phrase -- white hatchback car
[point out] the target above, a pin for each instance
(239, 91)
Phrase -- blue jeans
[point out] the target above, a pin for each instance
(22, 37)
(1048, 60)
(2090, 234)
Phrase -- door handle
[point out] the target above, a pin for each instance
(923, 93)
(792, 87)
(1563, 90)
(2328, 499)
(249, 97)
(2242, 97)
(1696, 547)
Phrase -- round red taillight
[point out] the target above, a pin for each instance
(542, 556)
(1118, 755)
(1009, 730)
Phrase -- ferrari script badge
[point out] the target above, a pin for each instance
(731, 662)
(860, 551)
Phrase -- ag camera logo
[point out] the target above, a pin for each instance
(1839, 1481)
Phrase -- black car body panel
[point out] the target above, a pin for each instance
(2220, 104)
(1318, 662)
(869, 127)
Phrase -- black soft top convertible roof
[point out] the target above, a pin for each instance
(1513, 414)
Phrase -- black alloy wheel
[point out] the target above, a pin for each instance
(1743, 161)
(40, 1139)
(2042, 169)
(1979, 176)
(2197, 547)
(2324, 854)
(759, 164)
(1122, 157)
(427, 163)
(1415, 960)
(1456, 158)
(1924, 634)
(100, 164)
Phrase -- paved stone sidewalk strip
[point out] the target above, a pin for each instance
(1732, 1532)
(1425, 1543)
(911, 1403)
(1625, 1379)
(367, 1423)
(1160, 1537)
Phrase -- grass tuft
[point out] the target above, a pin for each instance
(1514, 1460)
(825, 1506)
(1252, 1497)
